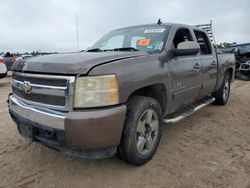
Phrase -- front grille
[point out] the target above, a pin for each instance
(42, 81)
(40, 98)
(54, 92)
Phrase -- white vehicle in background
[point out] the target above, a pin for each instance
(19, 58)
(26, 56)
(3, 69)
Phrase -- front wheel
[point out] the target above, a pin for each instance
(142, 130)
(222, 95)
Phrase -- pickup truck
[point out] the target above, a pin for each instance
(115, 97)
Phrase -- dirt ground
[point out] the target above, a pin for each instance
(209, 149)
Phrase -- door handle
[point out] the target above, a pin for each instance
(197, 66)
(214, 63)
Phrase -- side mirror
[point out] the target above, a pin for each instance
(187, 48)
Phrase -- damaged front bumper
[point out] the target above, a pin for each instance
(243, 71)
(88, 133)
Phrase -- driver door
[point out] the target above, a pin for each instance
(185, 72)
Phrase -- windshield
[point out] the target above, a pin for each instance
(150, 39)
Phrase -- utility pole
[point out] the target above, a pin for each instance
(77, 33)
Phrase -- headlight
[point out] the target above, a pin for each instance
(96, 91)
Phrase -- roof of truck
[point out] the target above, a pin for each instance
(155, 24)
(161, 25)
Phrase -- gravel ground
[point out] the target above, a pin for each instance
(209, 149)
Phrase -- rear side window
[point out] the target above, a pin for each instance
(182, 35)
(204, 42)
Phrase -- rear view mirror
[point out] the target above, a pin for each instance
(187, 48)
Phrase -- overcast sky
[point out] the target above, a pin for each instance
(50, 25)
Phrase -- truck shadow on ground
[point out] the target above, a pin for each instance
(46, 154)
(39, 155)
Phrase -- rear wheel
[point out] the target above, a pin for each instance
(222, 95)
(142, 130)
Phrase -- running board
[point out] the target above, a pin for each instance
(190, 110)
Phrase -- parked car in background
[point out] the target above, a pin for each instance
(3, 69)
(9, 60)
(242, 56)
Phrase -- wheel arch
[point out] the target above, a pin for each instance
(155, 91)
(231, 72)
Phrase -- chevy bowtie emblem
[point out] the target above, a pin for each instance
(26, 88)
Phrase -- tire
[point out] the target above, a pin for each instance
(3, 75)
(142, 130)
(222, 95)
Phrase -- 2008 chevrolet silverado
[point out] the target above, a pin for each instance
(114, 97)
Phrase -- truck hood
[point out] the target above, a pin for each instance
(72, 63)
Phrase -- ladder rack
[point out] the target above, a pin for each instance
(208, 28)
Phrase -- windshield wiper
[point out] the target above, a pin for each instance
(95, 50)
(126, 49)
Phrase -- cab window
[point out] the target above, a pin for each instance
(204, 42)
(182, 35)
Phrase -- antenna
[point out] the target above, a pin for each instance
(159, 22)
(77, 33)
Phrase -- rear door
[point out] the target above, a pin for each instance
(209, 63)
(185, 72)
